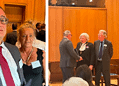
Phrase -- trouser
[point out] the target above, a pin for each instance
(106, 74)
(67, 72)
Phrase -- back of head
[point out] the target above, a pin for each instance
(84, 72)
(66, 32)
(38, 25)
(43, 26)
(14, 26)
(75, 81)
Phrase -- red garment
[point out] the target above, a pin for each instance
(6, 71)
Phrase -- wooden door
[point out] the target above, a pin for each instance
(15, 14)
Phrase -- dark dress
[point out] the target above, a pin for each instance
(87, 54)
(34, 74)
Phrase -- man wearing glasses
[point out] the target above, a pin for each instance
(103, 53)
(11, 73)
(68, 56)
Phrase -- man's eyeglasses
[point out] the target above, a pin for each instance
(70, 34)
(4, 20)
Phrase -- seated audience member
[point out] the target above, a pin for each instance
(12, 37)
(84, 72)
(75, 81)
(32, 58)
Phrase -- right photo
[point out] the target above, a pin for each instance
(83, 42)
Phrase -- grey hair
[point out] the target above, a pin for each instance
(66, 33)
(104, 33)
(75, 81)
(86, 36)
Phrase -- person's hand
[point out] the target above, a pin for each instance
(91, 67)
(79, 59)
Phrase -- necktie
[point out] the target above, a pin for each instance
(6, 71)
(100, 53)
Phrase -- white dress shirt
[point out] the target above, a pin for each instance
(12, 66)
(83, 47)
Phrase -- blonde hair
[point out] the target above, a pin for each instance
(25, 25)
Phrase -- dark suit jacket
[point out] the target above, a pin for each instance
(12, 37)
(68, 55)
(16, 55)
(107, 53)
(41, 35)
(87, 54)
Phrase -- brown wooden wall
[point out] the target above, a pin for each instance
(34, 10)
(113, 25)
(77, 20)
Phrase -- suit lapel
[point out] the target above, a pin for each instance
(15, 59)
(97, 47)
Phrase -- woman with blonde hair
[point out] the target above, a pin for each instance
(32, 57)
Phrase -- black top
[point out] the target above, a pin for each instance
(87, 54)
(41, 35)
(34, 74)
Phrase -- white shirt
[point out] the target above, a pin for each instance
(12, 66)
(39, 44)
(83, 47)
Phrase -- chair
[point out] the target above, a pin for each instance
(113, 75)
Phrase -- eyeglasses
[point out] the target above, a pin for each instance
(70, 34)
(3, 20)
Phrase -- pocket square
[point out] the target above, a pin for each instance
(105, 45)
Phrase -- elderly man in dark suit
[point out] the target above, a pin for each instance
(103, 53)
(11, 73)
(68, 56)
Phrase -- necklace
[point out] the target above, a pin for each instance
(28, 57)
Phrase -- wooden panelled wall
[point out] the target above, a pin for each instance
(34, 9)
(77, 20)
(113, 25)
(83, 20)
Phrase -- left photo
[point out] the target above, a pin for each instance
(22, 43)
